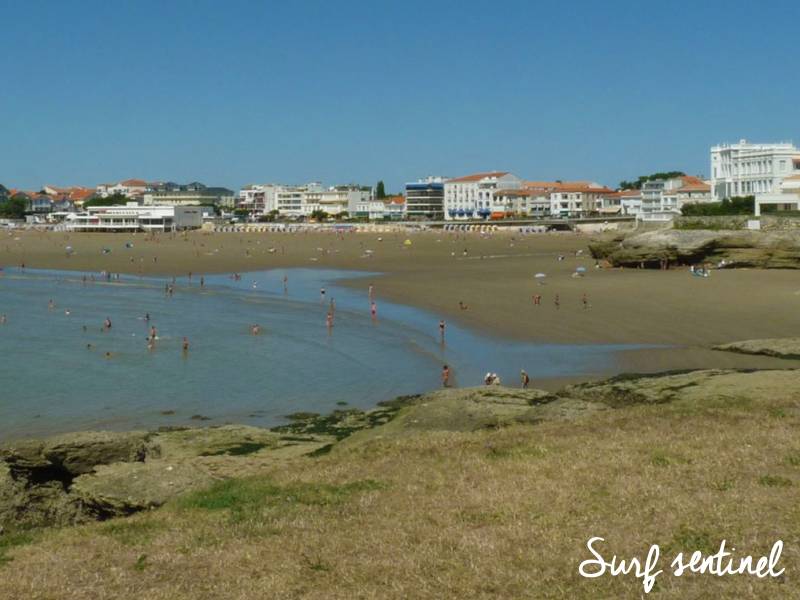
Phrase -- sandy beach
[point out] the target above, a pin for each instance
(492, 275)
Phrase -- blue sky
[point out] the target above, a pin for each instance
(230, 92)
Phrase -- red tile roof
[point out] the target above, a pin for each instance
(134, 183)
(478, 176)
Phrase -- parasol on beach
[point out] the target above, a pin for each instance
(540, 276)
(407, 242)
(580, 270)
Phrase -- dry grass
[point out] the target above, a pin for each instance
(494, 514)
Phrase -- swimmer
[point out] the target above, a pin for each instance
(185, 345)
(255, 329)
(153, 334)
(322, 295)
(108, 354)
(373, 309)
(147, 317)
(3, 319)
(445, 376)
(107, 323)
(285, 283)
(441, 329)
(51, 305)
(66, 312)
(89, 346)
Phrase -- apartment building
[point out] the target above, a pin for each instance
(425, 198)
(472, 196)
(745, 168)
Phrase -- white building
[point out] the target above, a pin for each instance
(744, 169)
(472, 196)
(133, 217)
(130, 187)
(302, 200)
(577, 199)
(661, 199)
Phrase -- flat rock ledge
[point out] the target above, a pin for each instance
(777, 347)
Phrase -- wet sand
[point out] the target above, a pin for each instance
(495, 279)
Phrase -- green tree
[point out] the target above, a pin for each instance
(14, 207)
(637, 185)
(380, 191)
(112, 200)
(738, 205)
(319, 215)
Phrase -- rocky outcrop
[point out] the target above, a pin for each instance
(777, 347)
(91, 475)
(769, 250)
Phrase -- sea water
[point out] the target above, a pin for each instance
(55, 375)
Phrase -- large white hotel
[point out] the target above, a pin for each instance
(745, 169)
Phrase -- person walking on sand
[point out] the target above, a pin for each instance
(557, 302)
(445, 376)
(585, 301)
(525, 380)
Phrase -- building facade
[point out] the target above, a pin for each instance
(425, 199)
(744, 168)
(133, 217)
(472, 196)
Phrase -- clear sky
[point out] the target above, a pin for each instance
(230, 92)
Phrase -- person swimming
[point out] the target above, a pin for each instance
(107, 323)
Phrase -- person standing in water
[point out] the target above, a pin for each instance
(185, 345)
(441, 329)
(202, 281)
(445, 376)
(107, 324)
(370, 292)
(329, 322)
(322, 295)
(373, 309)
(285, 284)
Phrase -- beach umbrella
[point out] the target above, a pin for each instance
(68, 249)
(407, 242)
(580, 270)
(540, 276)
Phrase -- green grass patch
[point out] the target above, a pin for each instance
(775, 481)
(688, 539)
(13, 540)
(260, 493)
(793, 459)
(131, 532)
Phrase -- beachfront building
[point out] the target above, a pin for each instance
(132, 188)
(577, 199)
(522, 202)
(259, 199)
(192, 194)
(744, 169)
(662, 199)
(472, 196)
(296, 201)
(425, 199)
(133, 217)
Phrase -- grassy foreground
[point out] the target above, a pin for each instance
(405, 512)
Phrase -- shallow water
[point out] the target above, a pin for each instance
(53, 382)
